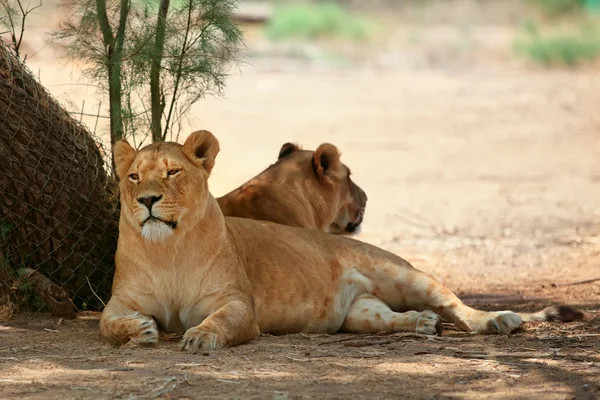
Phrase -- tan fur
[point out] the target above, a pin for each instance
(307, 189)
(221, 281)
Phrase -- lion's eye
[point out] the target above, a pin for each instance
(173, 172)
(134, 177)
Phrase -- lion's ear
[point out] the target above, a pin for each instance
(287, 149)
(326, 162)
(123, 155)
(201, 148)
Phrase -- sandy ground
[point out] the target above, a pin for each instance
(479, 170)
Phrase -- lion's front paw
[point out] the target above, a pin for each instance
(201, 339)
(501, 322)
(137, 328)
(429, 323)
(144, 331)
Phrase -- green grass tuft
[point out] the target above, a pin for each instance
(559, 7)
(560, 48)
(315, 20)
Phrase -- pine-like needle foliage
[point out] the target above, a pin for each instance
(200, 42)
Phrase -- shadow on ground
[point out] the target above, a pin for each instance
(43, 359)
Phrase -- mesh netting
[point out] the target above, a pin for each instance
(57, 203)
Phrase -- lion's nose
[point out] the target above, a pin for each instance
(149, 201)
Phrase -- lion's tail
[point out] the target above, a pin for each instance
(553, 313)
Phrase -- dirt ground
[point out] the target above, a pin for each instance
(480, 170)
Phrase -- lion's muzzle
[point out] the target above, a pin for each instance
(172, 224)
(156, 227)
(149, 201)
(351, 227)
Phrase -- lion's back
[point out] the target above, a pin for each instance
(284, 246)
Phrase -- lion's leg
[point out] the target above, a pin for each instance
(120, 323)
(368, 314)
(411, 289)
(233, 323)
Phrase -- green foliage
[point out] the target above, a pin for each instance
(201, 43)
(11, 277)
(5, 268)
(26, 293)
(24, 285)
(8, 14)
(558, 7)
(315, 20)
(5, 229)
(560, 48)
(13, 16)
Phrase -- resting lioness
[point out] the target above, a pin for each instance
(223, 280)
(294, 192)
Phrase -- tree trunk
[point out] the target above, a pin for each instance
(57, 204)
(159, 45)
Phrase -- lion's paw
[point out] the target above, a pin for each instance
(145, 331)
(196, 339)
(501, 323)
(429, 323)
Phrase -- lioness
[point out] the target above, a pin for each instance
(294, 192)
(223, 280)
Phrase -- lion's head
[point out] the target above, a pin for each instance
(164, 186)
(330, 178)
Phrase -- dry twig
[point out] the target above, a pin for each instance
(581, 282)
(367, 340)
(93, 291)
